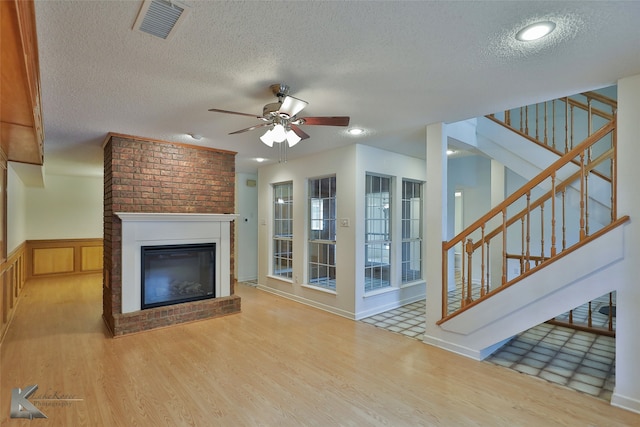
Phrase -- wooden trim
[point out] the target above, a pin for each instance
(21, 130)
(3, 206)
(63, 256)
(532, 270)
(579, 327)
(144, 139)
(601, 98)
(12, 280)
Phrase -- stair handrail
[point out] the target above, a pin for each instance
(583, 151)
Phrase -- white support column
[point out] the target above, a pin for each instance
(435, 209)
(627, 389)
(495, 247)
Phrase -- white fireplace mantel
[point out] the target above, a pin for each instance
(190, 217)
(157, 229)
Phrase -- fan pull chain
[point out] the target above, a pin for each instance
(283, 152)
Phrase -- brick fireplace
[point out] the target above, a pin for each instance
(180, 194)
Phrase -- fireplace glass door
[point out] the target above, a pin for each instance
(174, 274)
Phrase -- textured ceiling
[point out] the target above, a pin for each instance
(394, 67)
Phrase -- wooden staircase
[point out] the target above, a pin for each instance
(546, 221)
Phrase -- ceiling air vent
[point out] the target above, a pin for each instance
(160, 18)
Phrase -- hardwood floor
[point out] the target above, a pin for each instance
(278, 363)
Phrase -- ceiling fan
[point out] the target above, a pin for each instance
(281, 118)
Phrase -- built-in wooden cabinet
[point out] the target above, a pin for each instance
(21, 132)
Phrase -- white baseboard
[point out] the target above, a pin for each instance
(624, 402)
(308, 302)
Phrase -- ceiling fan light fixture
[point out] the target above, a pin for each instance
(278, 133)
(292, 106)
(267, 138)
(292, 138)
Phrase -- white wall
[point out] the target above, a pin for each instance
(349, 164)
(16, 210)
(373, 160)
(67, 207)
(340, 163)
(246, 237)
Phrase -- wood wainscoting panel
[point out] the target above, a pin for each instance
(52, 260)
(91, 258)
(63, 256)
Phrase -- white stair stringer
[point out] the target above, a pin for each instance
(551, 291)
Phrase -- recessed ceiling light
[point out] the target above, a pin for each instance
(260, 159)
(195, 136)
(355, 131)
(535, 31)
(450, 152)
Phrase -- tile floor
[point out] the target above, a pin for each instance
(582, 361)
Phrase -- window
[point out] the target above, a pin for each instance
(322, 232)
(283, 230)
(377, 232)
(411, 231)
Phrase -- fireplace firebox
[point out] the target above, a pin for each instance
(173, 274)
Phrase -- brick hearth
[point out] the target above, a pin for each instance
(151, 176)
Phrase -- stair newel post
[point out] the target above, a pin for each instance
(528, 264)
(590, 320)
(553, 215)
(469, 249)
(507, 117)
(504, 246)
(582, 173)
(482, 265)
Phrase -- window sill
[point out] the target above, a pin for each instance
(318, 288)
(414, 283)
(280, 278)
(380, 291)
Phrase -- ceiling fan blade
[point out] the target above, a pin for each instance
(215, 110)
(326, 121)
(261, 125)
(302, 134)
